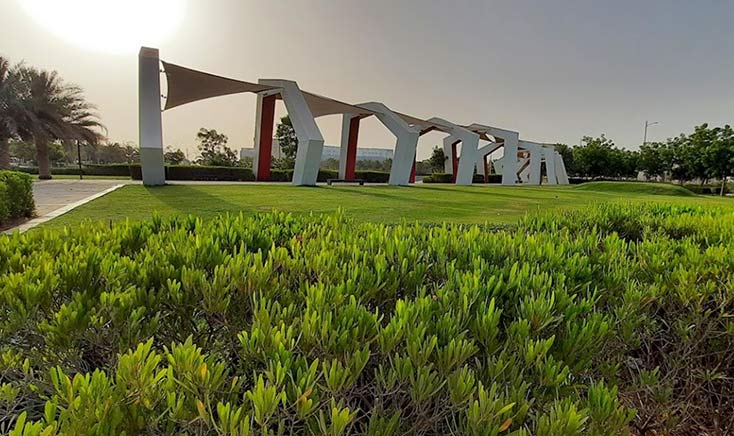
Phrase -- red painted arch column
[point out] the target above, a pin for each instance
(351, 164)
(265, 147)
(454, 160)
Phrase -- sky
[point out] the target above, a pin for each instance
(554, 70)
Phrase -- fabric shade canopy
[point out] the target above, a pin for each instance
(321, 106)
(186, 85)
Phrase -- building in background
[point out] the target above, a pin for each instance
(329, 152)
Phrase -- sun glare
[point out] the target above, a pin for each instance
(110, 26)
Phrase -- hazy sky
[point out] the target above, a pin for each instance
(554, 70)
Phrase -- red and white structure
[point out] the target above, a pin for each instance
(521, 161)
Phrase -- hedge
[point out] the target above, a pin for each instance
(16, 196)
(607, 321)
(449, 178)
(196, 172)
(707, 189)
(121, 170)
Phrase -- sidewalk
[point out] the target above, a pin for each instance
(56, 197)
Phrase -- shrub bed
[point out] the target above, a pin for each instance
(707, 189)
(276, 324)
(121, 170)
(449, 178)
(16, 196)
(197, 172)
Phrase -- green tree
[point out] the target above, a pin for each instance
(24, 151)
(285, 134)
(566, 153)
(594, 157)
(58, 111)
(174, 157)
(437, 159)
(693, 153)
(719, 155)
(214, 150)
(14, 116)
(653, 159)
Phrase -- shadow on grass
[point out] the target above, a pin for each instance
(190, 199)
(505, 192)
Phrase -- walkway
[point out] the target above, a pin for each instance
(56, 197)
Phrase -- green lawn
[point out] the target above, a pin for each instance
(424, 203)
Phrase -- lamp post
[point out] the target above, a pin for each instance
(648, 124)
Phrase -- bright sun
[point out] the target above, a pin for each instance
(111, 26)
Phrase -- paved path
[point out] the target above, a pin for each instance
(56, 197)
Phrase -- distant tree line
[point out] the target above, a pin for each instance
(705, 155)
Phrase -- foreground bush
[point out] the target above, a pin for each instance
(281, 325)
(16, 196)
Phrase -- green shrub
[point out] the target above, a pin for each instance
(201, 172)
(16, 196)
(276, 324)
(118, 170)
(449, 178)
(706, 189)
(439, 178)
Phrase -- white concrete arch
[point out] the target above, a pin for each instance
(469, 146)
(406, 141)
(509, 142)
(310, 141)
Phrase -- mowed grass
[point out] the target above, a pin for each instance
(385, 204)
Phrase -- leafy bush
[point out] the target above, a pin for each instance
(276, 324)
(16, 196)
(202, 172)
(439, 178)
(706, 189)
(121, 170)
(198, 172)
(449, 178)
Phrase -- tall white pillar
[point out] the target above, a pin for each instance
(561, 169)
(509, 170)
(536, 157)
(150, 126)
(344, 146)
(550, 165)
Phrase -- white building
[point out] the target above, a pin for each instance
(328, 152)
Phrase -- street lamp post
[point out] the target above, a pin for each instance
(648, 124)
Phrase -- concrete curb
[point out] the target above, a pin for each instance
(60, 211)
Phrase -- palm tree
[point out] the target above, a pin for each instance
(59, 112)
(14, 118)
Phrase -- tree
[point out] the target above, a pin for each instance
(594, 157)
(172, 157)
(57, 112)
(24, 151)
(285, 134)
(692, 153)
(14, 116)
(566, 153)
(719, 155)
(656, 159)
(214, 150)
(437, 159)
